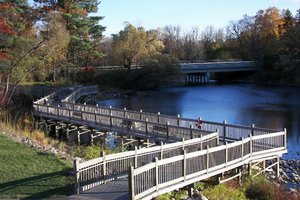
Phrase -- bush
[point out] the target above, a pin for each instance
(199, 186)
(222, 192)
(260, 188)
(177, 195)
(89, 152)
(164, 197)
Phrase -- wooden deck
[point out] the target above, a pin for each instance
(192, 154)
(115, 190)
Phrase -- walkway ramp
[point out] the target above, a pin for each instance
(204, 152)
(115, 190)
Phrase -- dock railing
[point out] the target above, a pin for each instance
(228, 132)
(162, 176)
(98, 119)
(81, 91)
(109, 167)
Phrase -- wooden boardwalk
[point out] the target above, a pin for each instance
(115, 190)
(195, 150)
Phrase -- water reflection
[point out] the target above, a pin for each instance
(270, 107)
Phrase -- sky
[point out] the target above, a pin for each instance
(152, 14)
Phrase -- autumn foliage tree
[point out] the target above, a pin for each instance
(84, 29)
(133, 44)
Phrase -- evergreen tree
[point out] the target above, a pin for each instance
(85, 30)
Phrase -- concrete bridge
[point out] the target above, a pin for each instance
(201, 72)
(193, 150)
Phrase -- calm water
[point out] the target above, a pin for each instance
(265, 106)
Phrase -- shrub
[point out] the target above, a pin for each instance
(166, 196)
(260, 188)
(222, 192)
(89, 152)
(199, 186)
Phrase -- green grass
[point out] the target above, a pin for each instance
(28, 173)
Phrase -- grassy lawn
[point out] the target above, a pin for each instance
(27, 173)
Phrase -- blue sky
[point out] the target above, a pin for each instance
(186, 13)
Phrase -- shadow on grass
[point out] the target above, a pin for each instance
(42, 186)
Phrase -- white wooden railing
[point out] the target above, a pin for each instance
(109, 167)
(103, 117)
(162, 176)
(81, 91)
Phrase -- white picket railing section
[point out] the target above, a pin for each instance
(162, 176)
(109, 167)
(81, 91)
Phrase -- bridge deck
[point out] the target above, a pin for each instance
(151, 178)
(114, 190)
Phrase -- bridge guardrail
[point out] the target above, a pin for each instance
(227, 131)
(146, 128)
(80, 92)
(109, 167)
(161, 176)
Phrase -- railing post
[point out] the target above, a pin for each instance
(58, 111)
(242, 148)
(224, 130)
(135, 157)
(226, 154)
(156, 173)
(201, 144)
(102, 154)
(161, 150)
(252, 129)
(191, 131)
(84, 105)
(285, 138)
(178, 120)
(77, 176)
(182, 144)
(184, 165)
(110, 117)
(250, 145)
(207, 159)
(218, 137)
(277, 167)
(168, 133)
(131, 182)
(141, 112)
(158, 117)
(146, 127)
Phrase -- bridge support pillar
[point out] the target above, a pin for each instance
(190, 189)
(250, 168)
(207, 76)
(277, 166)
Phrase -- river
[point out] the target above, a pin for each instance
(265, 106)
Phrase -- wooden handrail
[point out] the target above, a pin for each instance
(171, 179)
(137, 157)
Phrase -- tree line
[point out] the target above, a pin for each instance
(49, 40)
(271, 38)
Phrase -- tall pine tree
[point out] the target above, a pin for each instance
(85, 30)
